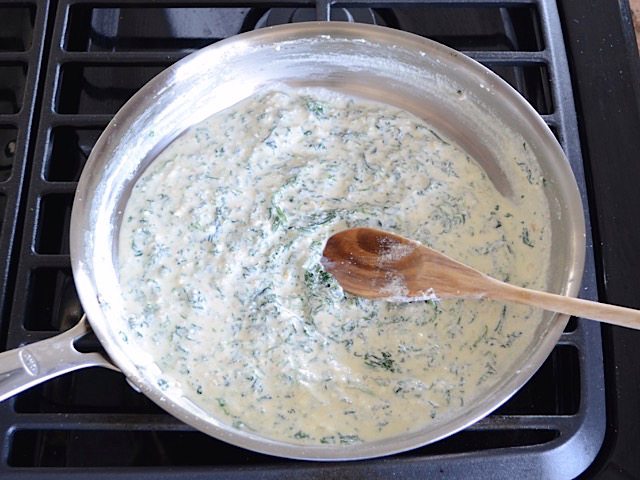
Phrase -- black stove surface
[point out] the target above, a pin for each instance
(66, 66)
(606, 78)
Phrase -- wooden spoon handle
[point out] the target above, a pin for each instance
(622, 316)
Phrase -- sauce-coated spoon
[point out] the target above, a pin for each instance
(381, 265)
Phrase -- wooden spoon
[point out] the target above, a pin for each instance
(381, 265)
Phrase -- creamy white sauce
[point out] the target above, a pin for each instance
(220, 249)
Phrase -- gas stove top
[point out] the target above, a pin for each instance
(66, 66)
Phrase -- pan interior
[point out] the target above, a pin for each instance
(459, 98)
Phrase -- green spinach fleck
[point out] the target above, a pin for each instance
(383, 361)
(525, 237)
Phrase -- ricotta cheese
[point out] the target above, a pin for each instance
(219, 264)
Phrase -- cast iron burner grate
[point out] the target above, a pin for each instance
(20, 51)
(94, 55)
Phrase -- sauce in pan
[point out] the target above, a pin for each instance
(219, 265)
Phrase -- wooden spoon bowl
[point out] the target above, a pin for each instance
(381, 265)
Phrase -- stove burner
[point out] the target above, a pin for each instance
(10, 148)
(280, 16)
(6, 158)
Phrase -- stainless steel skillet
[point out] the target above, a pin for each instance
(455, 94)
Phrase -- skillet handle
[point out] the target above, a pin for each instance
(37, 362)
